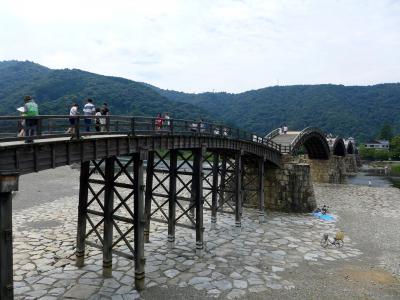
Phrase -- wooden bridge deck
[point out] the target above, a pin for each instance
(48, 153)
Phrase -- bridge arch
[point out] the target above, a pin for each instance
(314, 142)
(350, 149)
(338, 147)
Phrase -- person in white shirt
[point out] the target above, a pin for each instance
(72, 121)
(89, 110)
(98, 120)
(285, 129)
(166, 119)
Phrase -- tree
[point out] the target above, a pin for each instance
(386, 132)
(395, 146)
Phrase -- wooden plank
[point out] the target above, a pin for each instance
(214, 189)
(198, 197)
(108, 208)
(148, 194)
(238, 189)
(173, 155)
(139, 221)
(82, 211)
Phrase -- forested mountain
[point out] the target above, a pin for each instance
(55, 90)
(358, 111)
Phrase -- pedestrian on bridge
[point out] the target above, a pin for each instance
(31, 109)
(72, 118)
(97, 119)
(89, 110)
(166, 119)
(159, 122)
(285, 129)
(105, 112)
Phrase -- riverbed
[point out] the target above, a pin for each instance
(280, 259)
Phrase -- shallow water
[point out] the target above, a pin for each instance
(362, 178)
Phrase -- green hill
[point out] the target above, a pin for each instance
(55, 90)
(358, 111)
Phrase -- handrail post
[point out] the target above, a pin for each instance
(171, 126)
(77, 127)
(133, 126)
(108, 123)
(39, 126)
(49, 125)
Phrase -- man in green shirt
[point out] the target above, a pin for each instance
(31, 109)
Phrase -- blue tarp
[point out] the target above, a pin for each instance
(326, 217)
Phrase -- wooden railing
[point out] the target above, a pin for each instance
(53, 126)
(273, 134)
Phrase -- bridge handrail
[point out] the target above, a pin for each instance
(273, 134)
(117, 124)
(305, 131)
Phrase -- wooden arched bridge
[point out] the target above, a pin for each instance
(190, 167)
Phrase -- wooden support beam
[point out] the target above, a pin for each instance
(108, 208)
(214, 191)
(238, 190)
(148, 195)
(8, 184)
(82, 211)
(173, 157)
(223, 180)
(198, 197)
(261, 171)
(139, 221)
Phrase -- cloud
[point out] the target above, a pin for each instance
(209, 45)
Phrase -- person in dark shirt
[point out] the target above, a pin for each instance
(104, 112)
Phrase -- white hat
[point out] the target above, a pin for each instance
(21, 109)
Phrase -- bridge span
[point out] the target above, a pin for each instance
(134, 172)
(191, 167)
(315, 143)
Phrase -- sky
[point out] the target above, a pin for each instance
(210, 45)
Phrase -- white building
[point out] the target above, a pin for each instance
(377, 144)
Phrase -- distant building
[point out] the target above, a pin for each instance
(377, 144)
(352, 140)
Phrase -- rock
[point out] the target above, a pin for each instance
(235, 275)
(199, 280)
(252, 269)
(171, 273)
(81, 291)
(223, 284)
(240, 284)
(277, 269)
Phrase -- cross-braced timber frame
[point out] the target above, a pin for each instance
(174, 186)
(115, 202)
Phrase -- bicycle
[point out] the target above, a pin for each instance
(337, 240)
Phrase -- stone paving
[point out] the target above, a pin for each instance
(232, 264)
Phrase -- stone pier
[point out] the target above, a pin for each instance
(351, 163)
(332, 170)
(289, 188)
